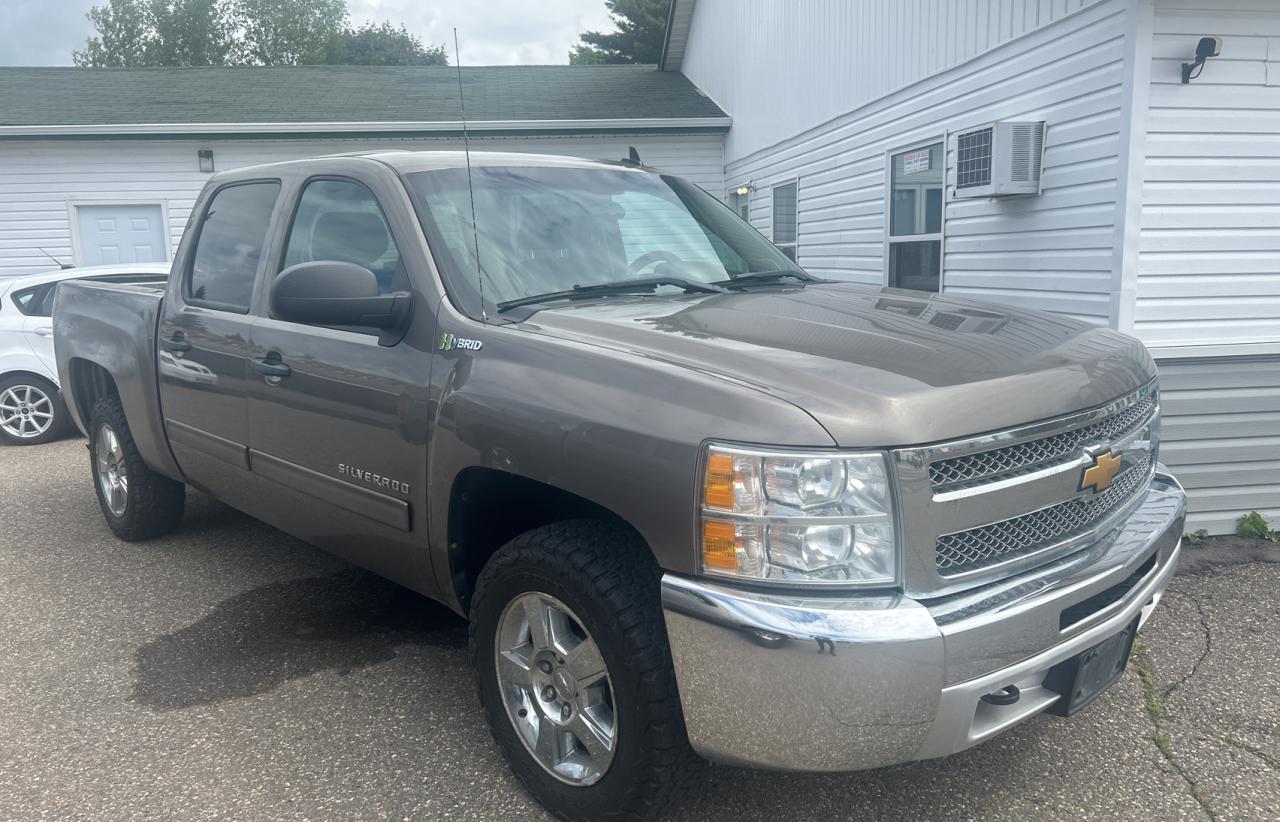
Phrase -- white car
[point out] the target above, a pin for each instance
(31, 408)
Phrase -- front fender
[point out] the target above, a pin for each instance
(620, 430)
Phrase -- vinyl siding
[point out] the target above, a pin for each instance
(1221, 437)
(1209, 251)
(39, 180)
(780, 67)
(1051, 252)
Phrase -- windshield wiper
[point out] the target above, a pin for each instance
(623, 287)
(765, 277)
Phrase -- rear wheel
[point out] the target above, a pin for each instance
(137, 502)
(31, 410)
(575, 671)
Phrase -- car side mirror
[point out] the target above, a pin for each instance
(327, 292)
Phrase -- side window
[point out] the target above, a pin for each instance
(229, 246)
(340, 220)
(35, 300)
(785, 227)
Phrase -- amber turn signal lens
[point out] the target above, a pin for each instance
(719, 545)
(718, 492)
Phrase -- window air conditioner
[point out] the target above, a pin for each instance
(999, 159)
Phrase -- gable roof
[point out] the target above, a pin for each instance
(365, 99)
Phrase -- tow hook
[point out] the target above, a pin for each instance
(1005, 696)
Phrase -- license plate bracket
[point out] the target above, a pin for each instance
(1083, 678)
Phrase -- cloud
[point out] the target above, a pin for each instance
(490, 32)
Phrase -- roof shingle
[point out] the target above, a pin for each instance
(344, 94)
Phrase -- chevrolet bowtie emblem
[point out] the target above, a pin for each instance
(1099, 473)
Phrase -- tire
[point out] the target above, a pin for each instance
(31, 410)
(150, 504)
(604, 574)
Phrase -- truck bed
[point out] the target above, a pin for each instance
(107, 331)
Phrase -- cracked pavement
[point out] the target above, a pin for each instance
(228, 671)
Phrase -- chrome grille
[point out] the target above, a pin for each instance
(989, 466)
(1011, 538)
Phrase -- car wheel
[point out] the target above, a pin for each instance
(575, 671)
(137, 502)
(31, 411)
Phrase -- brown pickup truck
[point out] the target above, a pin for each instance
(692, 498)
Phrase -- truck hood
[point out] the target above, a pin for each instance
(876, 367)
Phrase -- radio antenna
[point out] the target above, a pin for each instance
(471, 192)
(56, 261)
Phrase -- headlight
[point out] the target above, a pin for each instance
(798, 517)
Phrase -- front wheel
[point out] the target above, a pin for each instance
(137, 502)
(575, 671)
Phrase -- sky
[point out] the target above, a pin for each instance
(490, 32)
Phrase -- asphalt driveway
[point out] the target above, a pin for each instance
(228, 671)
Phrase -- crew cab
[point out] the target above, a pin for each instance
(692, 498)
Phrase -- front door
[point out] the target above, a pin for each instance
(337, 420)
(204, 337)
(110, 234)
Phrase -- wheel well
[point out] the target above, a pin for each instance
(22, 372)
(488, 508)
(89, 383)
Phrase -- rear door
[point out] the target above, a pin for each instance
(338, 421)
(204, 337)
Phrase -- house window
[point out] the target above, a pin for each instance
(915, 218)
(784, 219)
(740, 201)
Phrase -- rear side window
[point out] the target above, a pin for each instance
(229, 246)
(36, 301)
(340, 220)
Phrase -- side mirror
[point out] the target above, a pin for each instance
(334, 293)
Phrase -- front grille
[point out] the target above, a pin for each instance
(1009, 539)
(998, 463)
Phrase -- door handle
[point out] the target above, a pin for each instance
(272, 367)
(44, 331)
(178, 342)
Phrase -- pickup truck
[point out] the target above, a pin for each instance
(691, 498)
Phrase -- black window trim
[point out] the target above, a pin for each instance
(189, 263)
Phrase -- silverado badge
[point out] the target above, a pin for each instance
(1099, 473)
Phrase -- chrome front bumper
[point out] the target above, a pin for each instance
(830, 684)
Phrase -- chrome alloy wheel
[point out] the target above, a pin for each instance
(556, 688)
(26, 411)
(112, 480)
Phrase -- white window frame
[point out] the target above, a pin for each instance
(736, 200)
(794, 245)
(940, 236)
(73, 216)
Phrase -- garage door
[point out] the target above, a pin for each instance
(121, 234)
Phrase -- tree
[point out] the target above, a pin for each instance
(290, 32)
(382, 45)
(122, 35)
(244, 32)
(641, 24)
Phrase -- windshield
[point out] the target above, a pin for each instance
(544, 230)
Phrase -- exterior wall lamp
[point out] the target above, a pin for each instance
(206, 160)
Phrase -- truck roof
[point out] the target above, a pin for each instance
(412, 161)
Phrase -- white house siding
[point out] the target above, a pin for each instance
(41, 180)
(1209, 253)
(1053, 251)
(1221, 431)
(781, 67)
